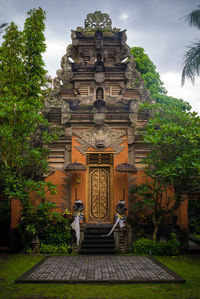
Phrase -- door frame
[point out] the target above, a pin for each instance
(111, 190)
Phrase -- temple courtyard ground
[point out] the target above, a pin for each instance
(99, 269)
(120, 276)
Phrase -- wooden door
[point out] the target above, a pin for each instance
(99, 195)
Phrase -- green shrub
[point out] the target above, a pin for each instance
(56, 234)
(148, 246)
(51, 227)
(54, 249)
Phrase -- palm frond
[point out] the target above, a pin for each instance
(3, 25)
(193, 18)
(191, 63)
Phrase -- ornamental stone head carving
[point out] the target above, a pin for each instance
(98, 20)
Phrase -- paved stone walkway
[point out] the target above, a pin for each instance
(99, 269)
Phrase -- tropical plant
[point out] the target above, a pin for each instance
(174, 138)
(51, 227)
(148, 72)
(191, 59)
(173, 135)
(155, 204)
(148, 246)
(23, 127)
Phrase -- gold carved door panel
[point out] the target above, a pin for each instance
(99, 199)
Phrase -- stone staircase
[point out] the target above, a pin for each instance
(95, 241)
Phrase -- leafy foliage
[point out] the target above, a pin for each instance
(148, 72)
(51, 227)
(153, 82)
(23, 127)
(194, 216)
(155, 203)
(54, 249)
(2, 26)
(148, 246)
(173, 135)
(191, 63)
(193, 18)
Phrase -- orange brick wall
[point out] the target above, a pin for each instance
(62, 197)
(15, 213)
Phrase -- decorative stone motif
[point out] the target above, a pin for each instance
(65, 116)
(99, 118)
(65, 74)
(54, 101)
(56, 84)
(103, 135)
(99, 77)
(98, 20)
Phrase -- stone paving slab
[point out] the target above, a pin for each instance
(99, 269)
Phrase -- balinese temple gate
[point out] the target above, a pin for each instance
(94, 110)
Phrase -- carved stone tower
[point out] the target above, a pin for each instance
(94, 110)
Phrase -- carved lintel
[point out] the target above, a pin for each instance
(94, 136)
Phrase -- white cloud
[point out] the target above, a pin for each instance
(188, 92)
(52, 56)
(124, 16)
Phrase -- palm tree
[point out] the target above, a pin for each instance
(191, 58)
(3, 25)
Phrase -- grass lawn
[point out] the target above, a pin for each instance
(13, 266)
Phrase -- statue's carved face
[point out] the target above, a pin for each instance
(78, 207)
(121, 208)
(99, 94)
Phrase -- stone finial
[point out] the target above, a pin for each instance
(98, 20)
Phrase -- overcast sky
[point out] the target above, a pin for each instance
(155, 25)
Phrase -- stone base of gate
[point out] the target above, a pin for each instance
(123, 239)
(122, 236)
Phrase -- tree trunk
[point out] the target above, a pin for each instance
(156, 227)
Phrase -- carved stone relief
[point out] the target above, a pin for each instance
(99, 77)
(131, 135)
(98, 20)
(65, 115)
(100, 137)
(54, 101)
(131, 156)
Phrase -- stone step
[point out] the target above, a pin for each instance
(99, 240)
(98, 231)
(101, 235)
(97, 246)
(98, 251)
(95, 241)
